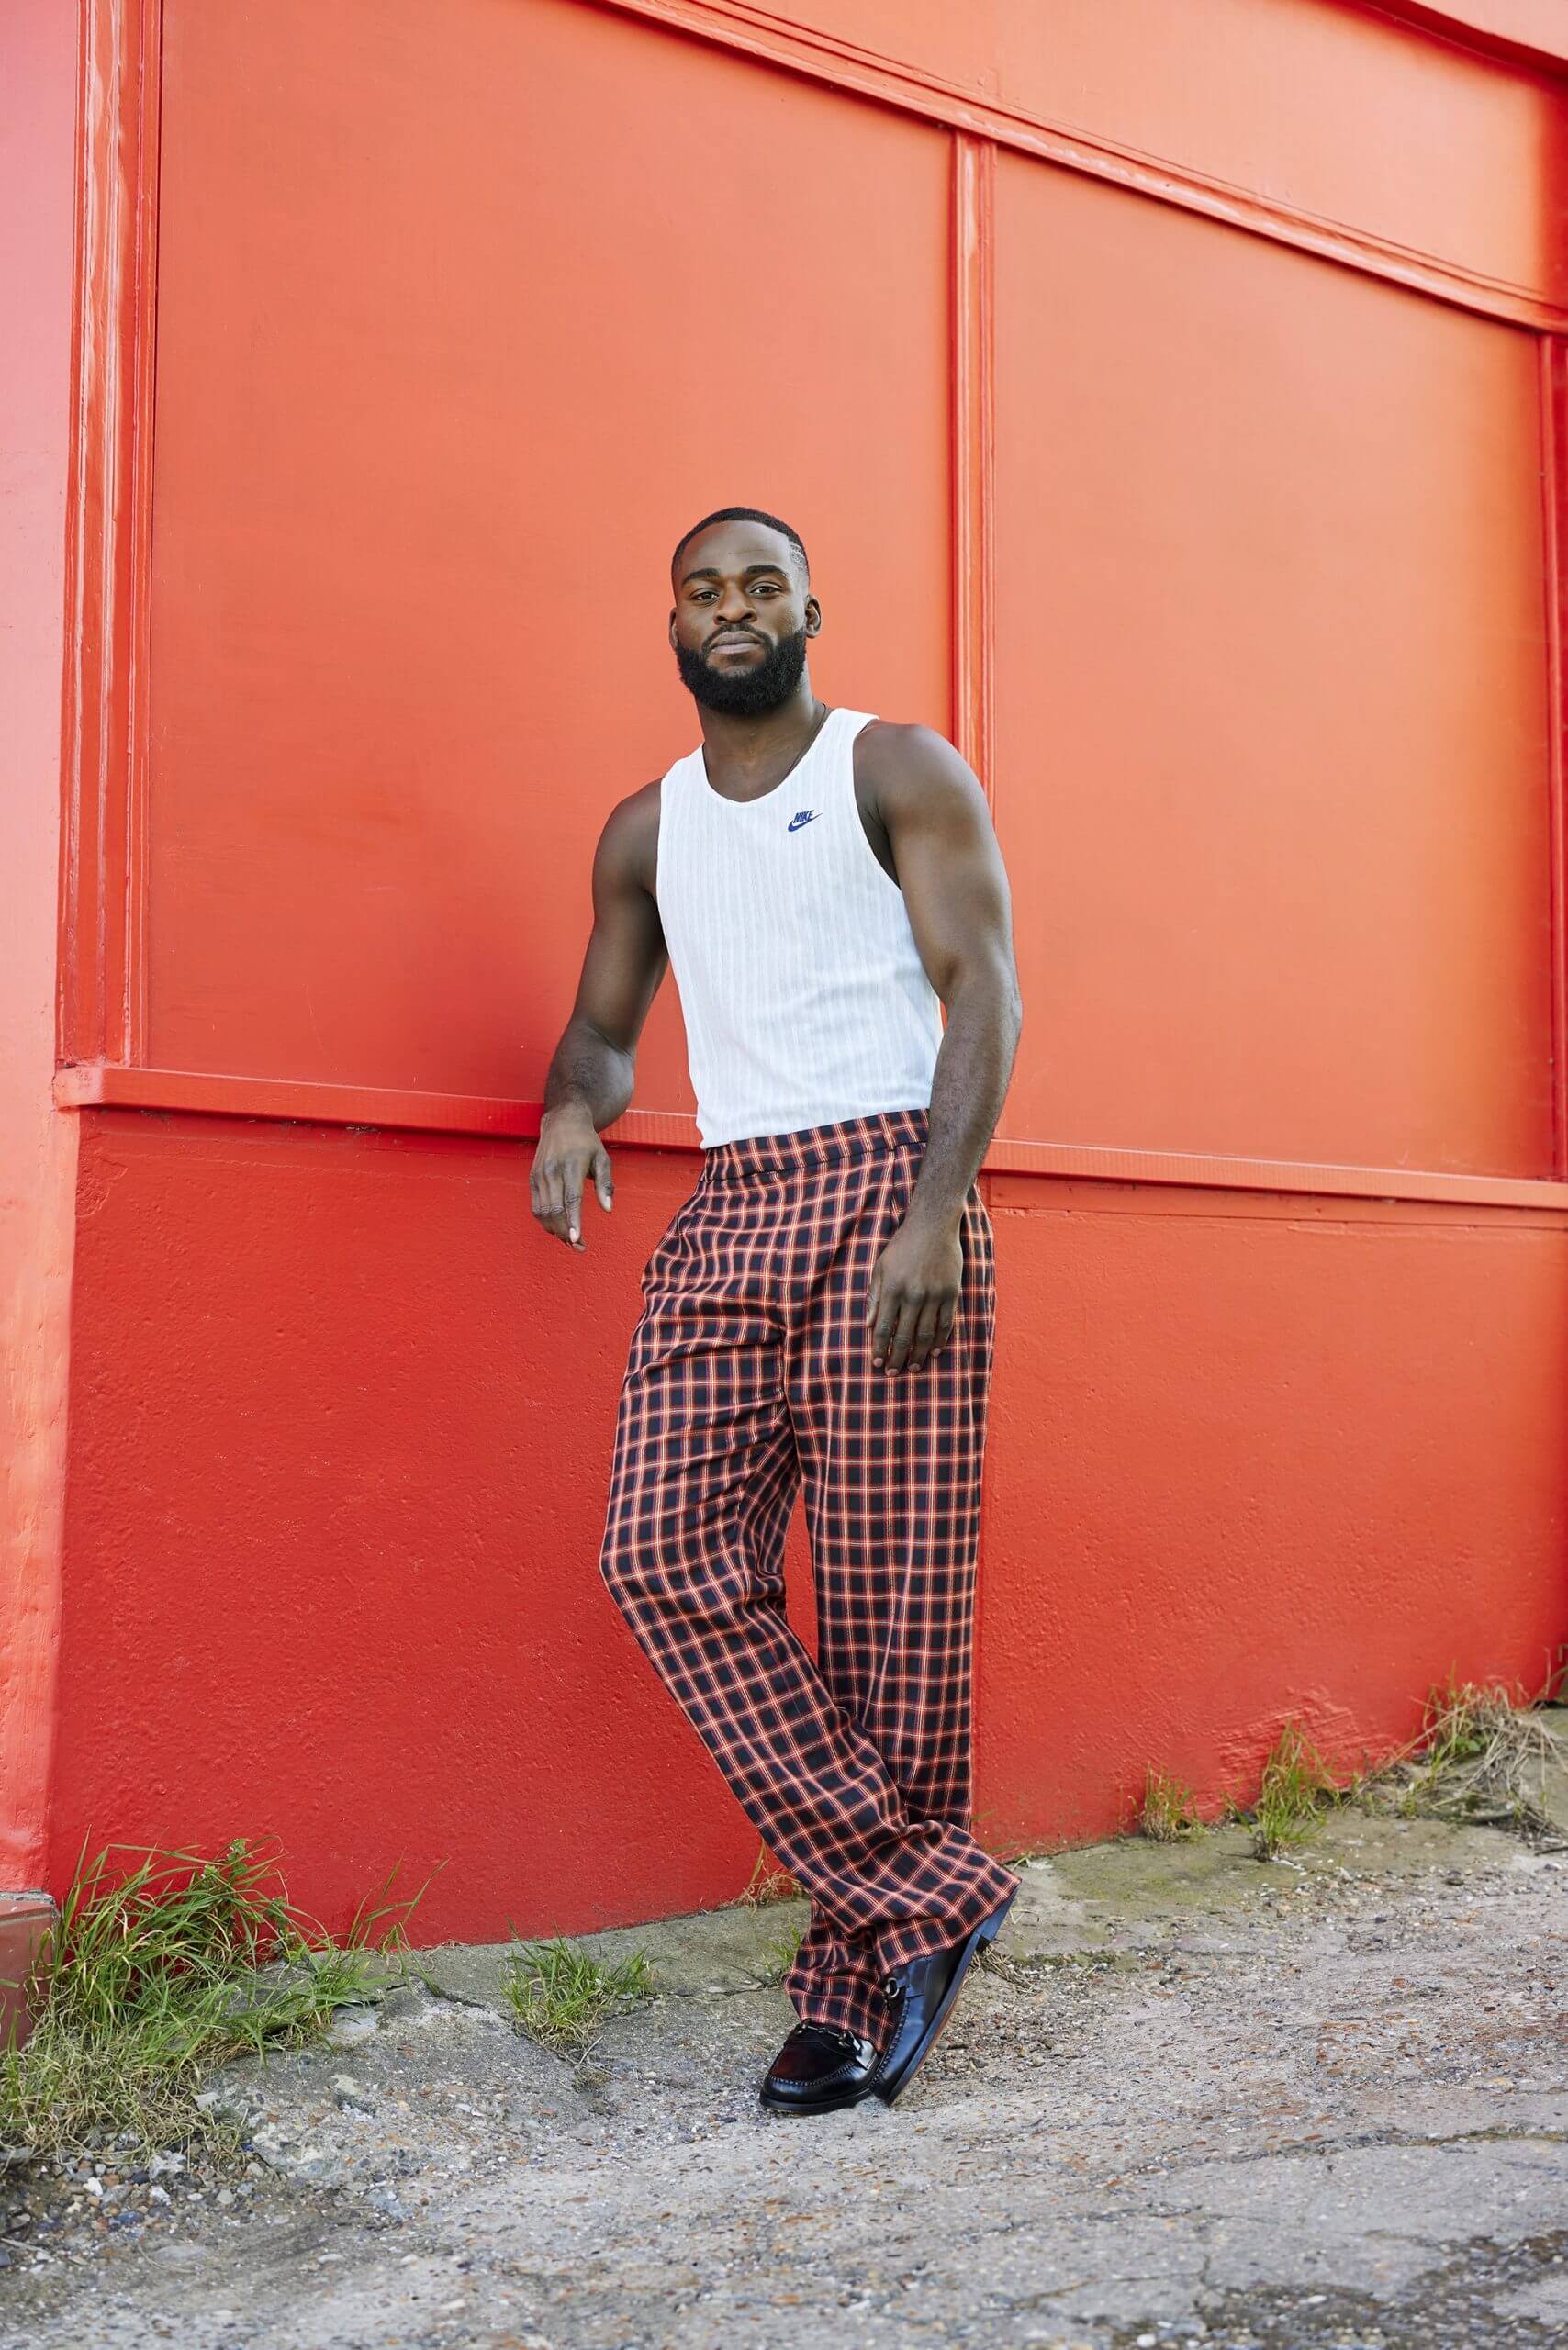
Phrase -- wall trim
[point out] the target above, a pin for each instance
(914, 89)
(105, 1085)
(972, 345)
(100, 992)
(1554, 493)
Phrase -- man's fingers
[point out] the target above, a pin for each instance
(604, 1179)
(546, 1191)
(909, 1317)
(547, 1188)
(886, 1321)
(926, 1331)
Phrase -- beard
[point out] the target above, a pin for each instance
(746, 693)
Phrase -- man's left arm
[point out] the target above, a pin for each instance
(955, 886)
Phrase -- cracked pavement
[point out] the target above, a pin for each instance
(1195, 2099)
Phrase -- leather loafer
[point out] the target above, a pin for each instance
(922, 1995)
(818, 2069)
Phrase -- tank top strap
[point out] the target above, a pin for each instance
(846, 724)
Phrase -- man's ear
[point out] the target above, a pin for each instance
(672, 642)
(813, 616)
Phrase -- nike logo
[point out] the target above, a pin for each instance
(801, 816)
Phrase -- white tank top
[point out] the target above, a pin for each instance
(803, 993)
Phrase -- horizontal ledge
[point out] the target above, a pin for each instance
(822, 56)
(108, 1085)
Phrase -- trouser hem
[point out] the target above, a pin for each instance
(917, 1938)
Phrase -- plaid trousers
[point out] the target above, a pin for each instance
(750, 1370)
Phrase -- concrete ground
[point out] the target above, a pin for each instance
(1195, 2099)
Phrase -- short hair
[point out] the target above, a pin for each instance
(743, 514)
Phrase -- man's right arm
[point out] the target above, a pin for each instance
(589, 1083)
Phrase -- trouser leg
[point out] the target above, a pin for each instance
(891, 1468)
(704, 1471)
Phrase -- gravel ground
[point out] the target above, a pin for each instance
(1195, 2099)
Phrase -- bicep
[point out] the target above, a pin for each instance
(626, 956)
(950, 869)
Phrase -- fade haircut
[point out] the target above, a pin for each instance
(744, 514)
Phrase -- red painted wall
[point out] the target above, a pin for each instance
(1178, 449)
(340, 1437)
(37, 1143)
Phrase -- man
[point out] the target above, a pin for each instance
(821, 1307)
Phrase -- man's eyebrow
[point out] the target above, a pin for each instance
(706, 571)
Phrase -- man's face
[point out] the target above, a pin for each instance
(741, 617)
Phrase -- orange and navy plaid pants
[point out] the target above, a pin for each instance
(750, 1373)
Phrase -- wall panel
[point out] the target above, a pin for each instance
(1273, 766)
(462, 317)
(1275, 112)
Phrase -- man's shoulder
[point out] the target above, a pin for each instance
(890, 753)
(629, 836)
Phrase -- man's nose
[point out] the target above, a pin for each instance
(733, 606)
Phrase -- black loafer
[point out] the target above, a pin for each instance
(819, 2069)
(922, 1995)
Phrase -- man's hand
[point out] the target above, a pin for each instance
(569, 1151)
(913, 1294)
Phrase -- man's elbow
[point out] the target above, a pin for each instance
(990, 990)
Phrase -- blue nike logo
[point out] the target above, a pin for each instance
(801, 816)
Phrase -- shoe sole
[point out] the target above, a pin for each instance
(986, 1932)
(828, 2105)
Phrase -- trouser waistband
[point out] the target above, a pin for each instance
(841, 1139)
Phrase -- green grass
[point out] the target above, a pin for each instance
(779, 1956)
(1167, 1814)
(154, 1976)
(562, 1996)
(1294, 1798)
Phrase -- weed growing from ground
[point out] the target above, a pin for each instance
(563, 1996)
(778, 1957)
(148, 1979)
(1167, 1814)
(769, 1883)
(1479, 1760)
(1296, 1790)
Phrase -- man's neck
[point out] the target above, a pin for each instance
(751, 752)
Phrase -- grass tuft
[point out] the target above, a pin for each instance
(1167, 1814)
(1479, 1760)
(563, 1996)
(1294, 1797)
(769, 1883)
(148, 1979)
(779, 1956)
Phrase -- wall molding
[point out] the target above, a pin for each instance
(972, 347)
(1554, 494)
(100, 996)
(104, 1085)
(914, 89)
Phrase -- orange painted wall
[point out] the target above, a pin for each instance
(1196, 463)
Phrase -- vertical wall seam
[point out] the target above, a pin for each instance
(973, 466)
(141, 364)
(1552, 356)
(973, 471)
(100, 985)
